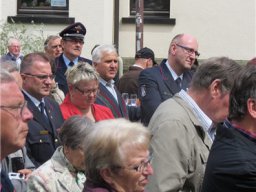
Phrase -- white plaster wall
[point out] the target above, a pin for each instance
(223, 28)
(97, 16)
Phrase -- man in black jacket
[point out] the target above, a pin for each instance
(42, 139)
(72, 43)
(231, 164)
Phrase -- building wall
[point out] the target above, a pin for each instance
(226, 28)
(223, 28)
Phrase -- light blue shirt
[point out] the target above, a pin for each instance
(35, 101)
(67, 61)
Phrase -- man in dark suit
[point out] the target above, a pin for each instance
(106, 64)
(128, 83)
(173, 74)
(14, 52)
(14, 116)
(231, 165)
(72, 43)
(42, 139)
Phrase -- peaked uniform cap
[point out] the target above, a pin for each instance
(74, 31)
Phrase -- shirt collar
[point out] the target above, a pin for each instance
(67, 61)
(102, 81)
(174, 75)
(204, 120)
(33, 99)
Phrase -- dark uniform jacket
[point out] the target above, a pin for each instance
(61, 68)
(157, 85)
(231, 164)
(129, 82)
(107, 99)
(42, 138)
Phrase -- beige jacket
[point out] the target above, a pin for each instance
(180, 148)
(56, 175)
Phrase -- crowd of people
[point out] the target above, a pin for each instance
(68, 123)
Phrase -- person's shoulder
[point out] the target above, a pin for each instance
(83, 59)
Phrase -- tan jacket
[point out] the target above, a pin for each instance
(55, 175)
(180, 148)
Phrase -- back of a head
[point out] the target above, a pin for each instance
(221, 68)
(99, 50)
(109, 141)
(9, 65)
(243, 89)
(74, 131)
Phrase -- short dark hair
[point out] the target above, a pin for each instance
(243, 89)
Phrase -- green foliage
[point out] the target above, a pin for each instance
(31, 36)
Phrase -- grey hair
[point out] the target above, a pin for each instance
(10, 66)
(81, 72)
(99, 50)
(221, 68)
(74, 131)
(6, 77)
(50, 38)
(109, 143)
(11, 40)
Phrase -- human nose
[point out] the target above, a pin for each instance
(26, 115)
(148, 170)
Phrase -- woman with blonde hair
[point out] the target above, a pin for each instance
(83, 85)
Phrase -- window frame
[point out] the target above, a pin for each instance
(39, 11)
(150, 13)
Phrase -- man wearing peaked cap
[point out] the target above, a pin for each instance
(72, 43)
(76, 30)
(128, 83)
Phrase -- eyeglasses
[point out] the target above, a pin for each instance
(189, 50)
(142, 167)
(20, 109)
(41, 77)
(88, 92)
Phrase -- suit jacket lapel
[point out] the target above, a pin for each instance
(168, 79)
(37, 115)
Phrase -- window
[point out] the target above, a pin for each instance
(42, 11)
(43, 7)
(156, 8)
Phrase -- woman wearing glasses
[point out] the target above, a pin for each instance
(83, 85)
(117, 157)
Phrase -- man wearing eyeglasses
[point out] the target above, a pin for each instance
(42, 139)
(14, 116)
(159, 83)
(72, 43)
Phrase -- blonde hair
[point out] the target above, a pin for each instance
(81, 72)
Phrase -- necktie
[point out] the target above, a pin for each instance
(71, 64)
(41, 105)
(178, 82)
(6, 184)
